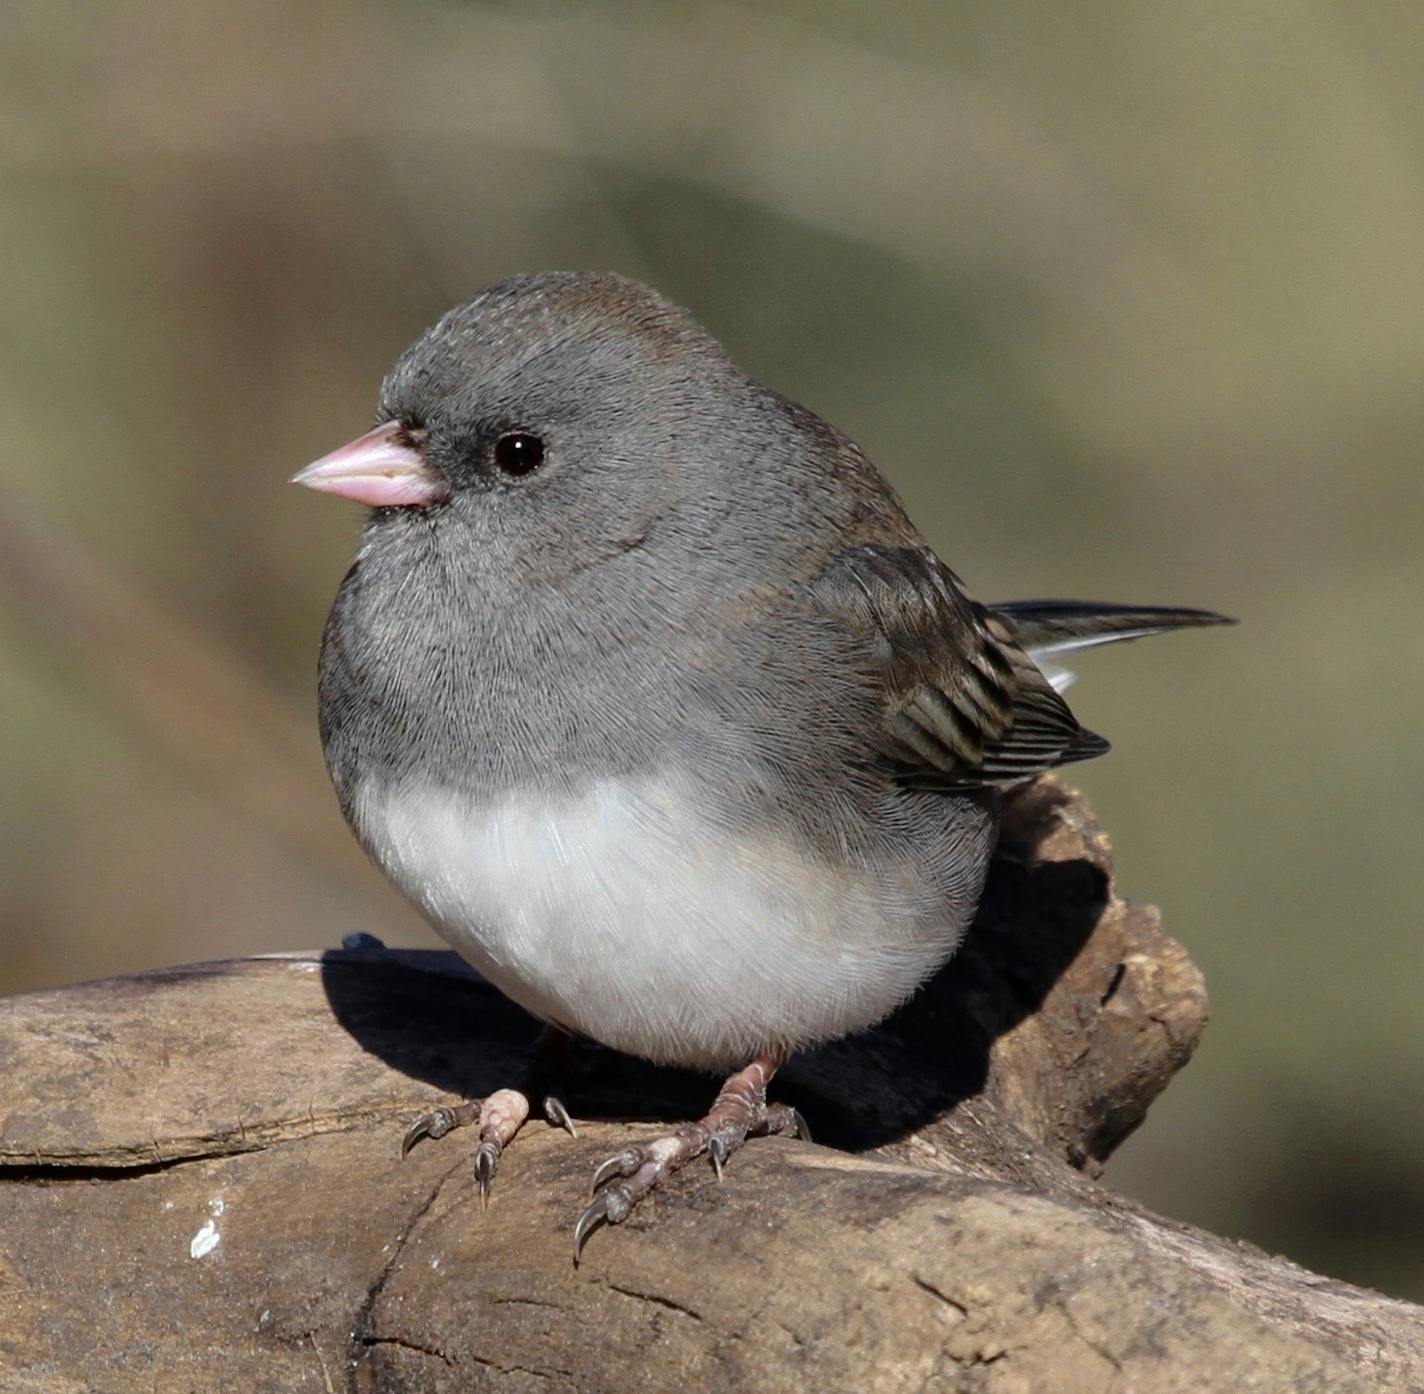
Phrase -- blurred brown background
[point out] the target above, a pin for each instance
(1127, 300)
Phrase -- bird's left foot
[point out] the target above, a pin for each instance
(740, 1111)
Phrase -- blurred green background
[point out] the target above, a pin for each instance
(1127, 300)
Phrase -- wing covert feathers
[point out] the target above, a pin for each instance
(965, 706)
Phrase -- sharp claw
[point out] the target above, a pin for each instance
(801, 1128)
(595, 1214)
(619, 1164)
(609, 1207)
(432, 1125)
(413, 1134)
(717, 1151)
(486, 1160)
(558, 1115)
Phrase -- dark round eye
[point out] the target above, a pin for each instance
(518, 454)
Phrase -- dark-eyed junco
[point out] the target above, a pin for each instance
(646, 691)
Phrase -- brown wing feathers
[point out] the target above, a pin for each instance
(965, 706)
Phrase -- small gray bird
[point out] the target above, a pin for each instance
(645, 690)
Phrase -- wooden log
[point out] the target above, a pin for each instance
(203, 1190)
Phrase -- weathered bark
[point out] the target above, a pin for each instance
(203, 1189)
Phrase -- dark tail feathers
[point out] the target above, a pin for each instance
(1049, 629)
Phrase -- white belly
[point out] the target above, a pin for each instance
(623, 912)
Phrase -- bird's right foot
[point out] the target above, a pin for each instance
(500, 1116)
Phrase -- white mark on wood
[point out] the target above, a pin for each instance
(204, 1241)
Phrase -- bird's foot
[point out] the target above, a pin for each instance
(740, 1111)
(500, 1115)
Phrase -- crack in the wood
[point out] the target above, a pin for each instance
(180, 1152)
(979, 1358)
(975, 1357)
(58, 1173)
(1115, 982)
(1061, 1305)
(656, 1298)
(402, 1343)
(553, 1372)
(925, 1285)
(362, 1337)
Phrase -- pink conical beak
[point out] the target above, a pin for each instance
(382, 468)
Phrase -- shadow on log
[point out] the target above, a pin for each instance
(204, 1191)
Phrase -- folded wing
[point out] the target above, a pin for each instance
(965, 705)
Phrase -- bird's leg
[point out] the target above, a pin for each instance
(503, 1113)
(551, 1058)
(740, 1111)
